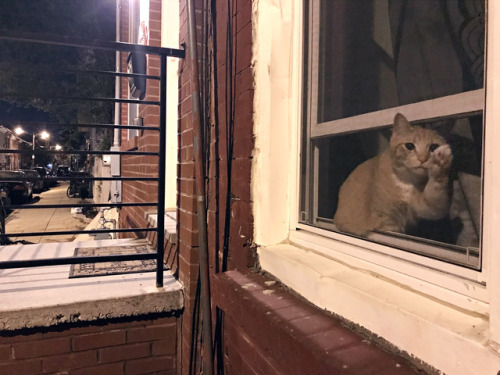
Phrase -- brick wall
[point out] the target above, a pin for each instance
(230, 223)
(258, 326)
(117, 348)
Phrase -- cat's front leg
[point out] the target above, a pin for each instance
(435, 202)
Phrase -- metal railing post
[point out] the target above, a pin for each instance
(160, 225)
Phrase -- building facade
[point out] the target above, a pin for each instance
(287, 89)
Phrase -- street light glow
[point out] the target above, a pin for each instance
(44, 134)
(58, 147)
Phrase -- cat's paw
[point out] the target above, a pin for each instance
(440, 162)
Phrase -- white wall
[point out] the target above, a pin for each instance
(170, 38)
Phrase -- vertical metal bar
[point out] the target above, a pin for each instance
(161, 172)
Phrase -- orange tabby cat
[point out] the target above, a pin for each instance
(405, 183)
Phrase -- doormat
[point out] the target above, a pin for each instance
(112, 268)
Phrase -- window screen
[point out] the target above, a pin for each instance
(365, 62)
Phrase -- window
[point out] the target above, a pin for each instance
(367, 61)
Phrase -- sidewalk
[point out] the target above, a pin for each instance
(47, 219)
(111, 214)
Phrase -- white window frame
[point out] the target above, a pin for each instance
(457, 105)
(285, 244)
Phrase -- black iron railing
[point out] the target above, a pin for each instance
(163, 53)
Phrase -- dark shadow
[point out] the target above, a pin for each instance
(195, 333)
(219, 341)
(33, 200)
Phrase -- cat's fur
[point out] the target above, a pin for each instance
(401, 185)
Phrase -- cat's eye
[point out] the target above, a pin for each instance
(433, 147)
(410, 146)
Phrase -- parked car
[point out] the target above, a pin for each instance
(17, 187)
(33, 177)
(63, 170)
(44, 174)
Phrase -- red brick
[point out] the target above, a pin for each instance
(332, 339)
(41, 348)
(167, 320)
(4, 352)
(187, 272)
(107, 369)
(124, 352)
(362, 359)
(164, 347)
(293, 312)
(312, 324)
(19, 338)
(189, 236)
(29, 367)
(189, 203)
(69, 361)
(98, 340)
(148, 365)
(151, 333)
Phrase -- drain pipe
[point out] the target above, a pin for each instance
(200, 193)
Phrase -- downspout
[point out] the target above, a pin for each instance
(200, 193)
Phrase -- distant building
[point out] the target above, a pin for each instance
(9, 141)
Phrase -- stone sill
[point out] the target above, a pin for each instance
(170, 224)
(45, 296)
(446, 338)
(130, 144)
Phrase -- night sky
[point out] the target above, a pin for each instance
(91, 19)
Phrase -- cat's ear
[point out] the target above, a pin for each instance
(401, 124)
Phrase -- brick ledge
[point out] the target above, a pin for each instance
(296, 335)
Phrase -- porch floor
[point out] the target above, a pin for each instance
(46, 296)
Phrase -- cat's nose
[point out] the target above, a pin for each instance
(422, 158)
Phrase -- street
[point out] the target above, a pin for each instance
(47, 219)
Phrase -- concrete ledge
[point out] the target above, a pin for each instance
(45, 296)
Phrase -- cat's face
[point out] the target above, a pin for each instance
(412, 146)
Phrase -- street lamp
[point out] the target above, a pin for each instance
(44, 135)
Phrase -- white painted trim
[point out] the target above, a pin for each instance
(274, 32)
(491, 211)
(423, 275)
(452, 105)
(358, 247)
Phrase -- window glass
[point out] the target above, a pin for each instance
(383, 54)
(414, 180)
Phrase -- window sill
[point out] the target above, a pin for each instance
(388, 309)
(45, 296)
(170, 224)
(130, 144)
